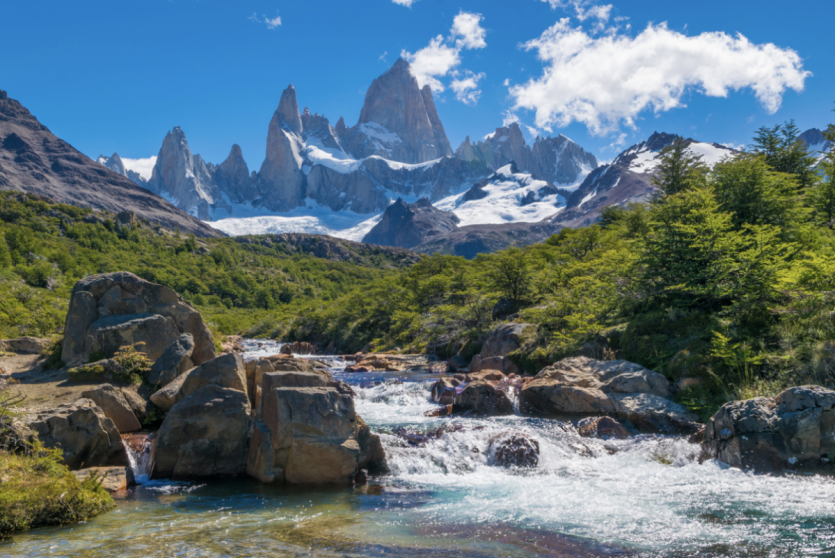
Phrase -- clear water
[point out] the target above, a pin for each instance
(645, 496)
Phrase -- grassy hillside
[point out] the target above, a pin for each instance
(239, 284)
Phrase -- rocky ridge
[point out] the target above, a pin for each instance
(34, 160)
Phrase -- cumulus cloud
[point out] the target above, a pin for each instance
(508, 118)
(407, 3)
(606, 81)
(466, 87)
(442, 57)
(468, 32)
(583, 9)
(271, 23)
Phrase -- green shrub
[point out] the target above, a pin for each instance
(38, 490)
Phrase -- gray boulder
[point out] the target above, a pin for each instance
(115, 406)
(310, 435)
(114, 308)
(627, 391)
(794, 429)
(204, 435)
(25, 345)
(175, 360)
(226, 371)
(83, 432)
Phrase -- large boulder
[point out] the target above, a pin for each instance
(794, 429)
(310, 435)
(83, 432)
(501, 363)
(116, 407)
(175, 360)
(484, 398)
(628, 391)
(168, 396)
(204, 435)
(119, 308)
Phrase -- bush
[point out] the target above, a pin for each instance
(38, 491)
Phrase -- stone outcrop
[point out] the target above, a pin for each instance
(584, 386)
(175, 360)
(396, 123)
(85, 435)
(115, 407)
(310, 435)
(485, 398)
(281, 177)
(184, 177)
(407, 225)
(795, 429)
(115, 309)
(34, 161)
(204, 435)
(115, 163)
(504, 146)
(233, 178)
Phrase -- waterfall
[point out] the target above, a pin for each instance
(138, 447)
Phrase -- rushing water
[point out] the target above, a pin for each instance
(645, 496)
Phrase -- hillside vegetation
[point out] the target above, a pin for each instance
(239, 284)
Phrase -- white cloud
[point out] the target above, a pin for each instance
(466, 88)
(271, 23)
(407, 3)
(508, 118)
(433, 61)
(443, 56)
(383, 56)
(467, 30)
(506, 82)
(581, 11)
(608, 80)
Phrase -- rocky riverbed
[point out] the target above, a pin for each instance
(450, 492)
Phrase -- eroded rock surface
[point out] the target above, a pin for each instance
(115, 309)
(795, 428)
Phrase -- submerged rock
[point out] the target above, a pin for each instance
(602, 427)
(514, 449)
(795, 428)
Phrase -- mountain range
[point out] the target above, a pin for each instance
(391, 179)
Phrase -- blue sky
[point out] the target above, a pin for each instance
(115, 76)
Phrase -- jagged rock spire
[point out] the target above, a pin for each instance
(288, 110)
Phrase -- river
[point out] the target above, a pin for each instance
(644, 496)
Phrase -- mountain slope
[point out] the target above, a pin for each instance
(33, 160)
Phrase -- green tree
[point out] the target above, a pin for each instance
(679, 168)
(822, 197)
(5, 256)
(754, 194)
(509, 273)
(784, 151)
